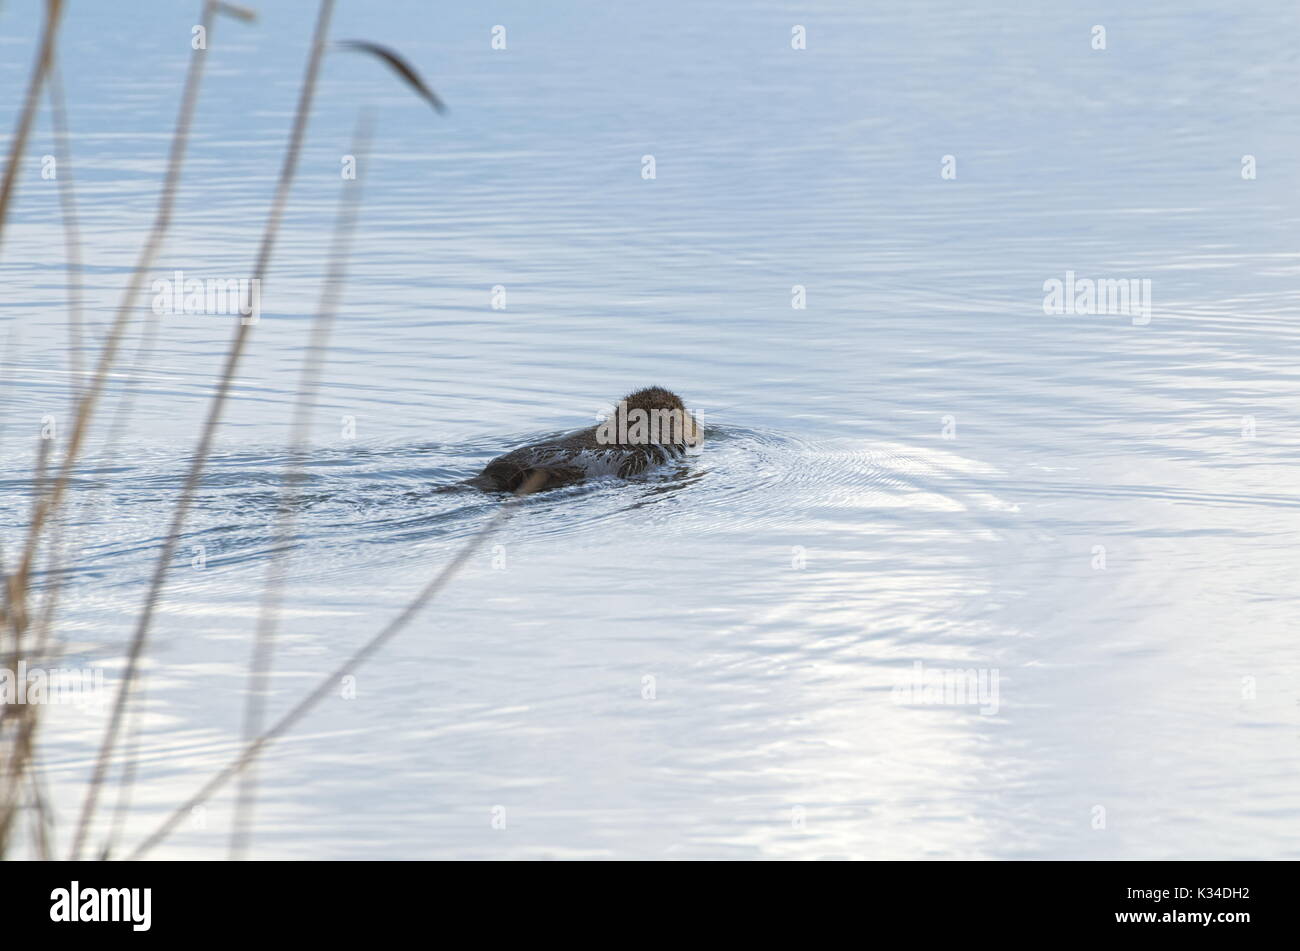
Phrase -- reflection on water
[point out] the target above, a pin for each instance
(918, 466)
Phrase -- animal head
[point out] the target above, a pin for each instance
(652, 416)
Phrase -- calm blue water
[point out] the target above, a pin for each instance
(918, 466)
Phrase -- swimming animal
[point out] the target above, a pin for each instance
(646, 428)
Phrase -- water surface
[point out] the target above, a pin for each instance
(918, 466)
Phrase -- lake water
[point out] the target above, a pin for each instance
(1096, 513)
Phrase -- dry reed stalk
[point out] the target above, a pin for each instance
(20, 718)
(42, 647)
(13, 583)
(50, 501)
(199, 459)
(44, 59)
(47, 502)
(43, 827)
(72, 248)
(71, 229)
(283, 531)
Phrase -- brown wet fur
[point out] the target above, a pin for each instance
(508, 472)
